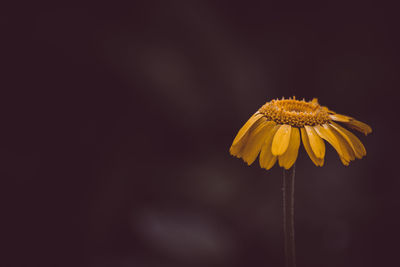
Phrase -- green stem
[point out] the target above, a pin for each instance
(288, 216)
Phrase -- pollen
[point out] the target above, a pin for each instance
(296, 113)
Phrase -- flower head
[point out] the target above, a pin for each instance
(275, 130)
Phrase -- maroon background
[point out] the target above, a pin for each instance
(117, 122)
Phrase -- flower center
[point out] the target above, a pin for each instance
(294, 112)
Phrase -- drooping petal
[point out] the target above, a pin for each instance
(355, 143)
(359, 126)
(246, 127)
(241, 138)
(327, 135)
(237, 149)
(343, 135)
(344, 161)
(281, 140)
(306, 143)
(348, 152)
(316, 143)
(267, 160)
(339, 117)
(255, 141)
(352, 123)
(288, 158)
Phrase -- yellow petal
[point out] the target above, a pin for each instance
(289, 157)
(241, 138)
(348, 152)
(359, 126)
(344, 161)
(316, 143)
(255, 141)
(281, 140)
(307, 147)
(237, 149)
(246, 127)
(351, 122)
(267, 160)
(327, 135)
(343, 135)
(356, 144)
(339, 117)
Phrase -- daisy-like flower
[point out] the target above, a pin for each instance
(275, 130)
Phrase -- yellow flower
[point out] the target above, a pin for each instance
(273, 133)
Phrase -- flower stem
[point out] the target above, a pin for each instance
(288, 216)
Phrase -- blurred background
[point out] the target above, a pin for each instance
(117, 121)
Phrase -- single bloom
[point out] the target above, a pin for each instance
(273, 133)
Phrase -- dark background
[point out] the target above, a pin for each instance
(117, 121)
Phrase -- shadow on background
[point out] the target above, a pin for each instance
(118, 119)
